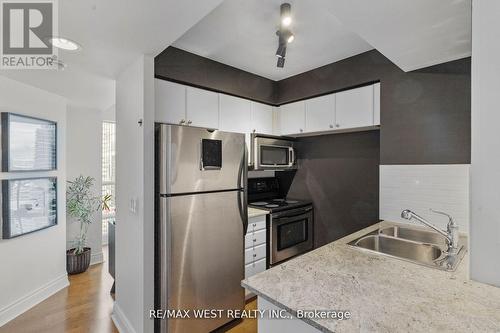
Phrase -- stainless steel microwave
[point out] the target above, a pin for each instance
(270, 152)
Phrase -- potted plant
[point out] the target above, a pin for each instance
(81, 204)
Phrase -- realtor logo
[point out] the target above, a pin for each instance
(26, 29)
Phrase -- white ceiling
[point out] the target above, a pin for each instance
(79, 87)
(241, 33)
(113, 34)
(411, 33)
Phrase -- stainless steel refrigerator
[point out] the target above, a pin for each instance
(201, 219)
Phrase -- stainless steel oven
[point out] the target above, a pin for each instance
(272, 152)
(290, 233)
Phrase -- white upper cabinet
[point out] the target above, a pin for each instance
(320, 113)
(202, 108)
(354, 108)
(235, 114)
(170, 102)
(262, 118)
(292, 118)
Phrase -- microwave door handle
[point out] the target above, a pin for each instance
(291, 153)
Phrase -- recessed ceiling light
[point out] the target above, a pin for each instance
(65, 44)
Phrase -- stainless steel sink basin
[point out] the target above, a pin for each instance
(411, 244)
(425, 253)
(417, 235)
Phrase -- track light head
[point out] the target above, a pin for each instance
(286, 14)
(288, 36)
(281, 62)
(281, 51)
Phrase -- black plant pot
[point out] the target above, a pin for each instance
(77, 263)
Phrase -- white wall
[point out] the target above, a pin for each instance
(109, 114)
(83, 157)
(421, 187)
(134, 186)
(485, 170)
(33, 266)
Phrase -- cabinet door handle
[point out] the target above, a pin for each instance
(182, 121)
(189, 122)
(331, 126)
(254, 255)
(254, 224)
(337, 125)
(301, 130)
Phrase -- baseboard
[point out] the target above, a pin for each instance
(120, 320)
(96, 258)
(25, 303)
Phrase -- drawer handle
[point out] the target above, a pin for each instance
(254, 240)
(254, 255)
(254, 224)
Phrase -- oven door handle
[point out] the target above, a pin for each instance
(285, 219)
(303, 211)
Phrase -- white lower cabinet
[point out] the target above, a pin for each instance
(255, 248)
(254, 253)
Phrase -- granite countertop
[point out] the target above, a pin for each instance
(254, 212)
(383, 294)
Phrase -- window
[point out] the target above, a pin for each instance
(108, 174)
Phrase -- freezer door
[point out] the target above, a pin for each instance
(192, 159)
(202, 257)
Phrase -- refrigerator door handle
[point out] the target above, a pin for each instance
(242, 192)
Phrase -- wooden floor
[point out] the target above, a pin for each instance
(85, 306)
(246, 325)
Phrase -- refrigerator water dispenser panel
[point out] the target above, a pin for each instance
(211, 154)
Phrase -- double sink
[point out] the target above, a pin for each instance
(412, 244)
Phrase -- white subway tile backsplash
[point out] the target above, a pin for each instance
(420, 187)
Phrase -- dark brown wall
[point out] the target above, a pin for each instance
(180, 66)
(340, 174)
(425, 114)
(425, 118)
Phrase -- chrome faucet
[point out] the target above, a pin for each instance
(451, 233)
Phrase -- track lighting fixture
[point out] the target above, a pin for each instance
(285, 35)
